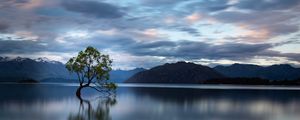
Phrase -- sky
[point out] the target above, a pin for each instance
(146, 33)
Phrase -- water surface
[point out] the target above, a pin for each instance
(149, 102)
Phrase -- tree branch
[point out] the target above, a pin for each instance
(94, 75)
(80, 80)
(89, 68)
(82, 77)
(97, 89)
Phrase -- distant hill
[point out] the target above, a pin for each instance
(117, 76)
(274, 72)
(24, 68)
(180, 72)
(120, 76)
(45, 70)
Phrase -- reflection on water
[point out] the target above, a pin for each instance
(49, 102)
(98, 111)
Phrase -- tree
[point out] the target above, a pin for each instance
(92, 69)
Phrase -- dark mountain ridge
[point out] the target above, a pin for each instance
(180, 72)
(273, 72)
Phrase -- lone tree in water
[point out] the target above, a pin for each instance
(92, 69)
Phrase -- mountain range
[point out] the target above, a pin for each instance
(273, 72)
(45, 70)
(182, 72)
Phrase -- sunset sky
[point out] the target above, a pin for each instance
(145, 33)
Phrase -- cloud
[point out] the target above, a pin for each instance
(260, 5)
(208, 5)
(31, 4)
(275, 24)
(166, 49)
(189, 30)
(201, 50)
(3, 27)
(195, 17)
(272, 17)
(159, 3)
(197, 50)
(93, 8)
(152, 30)
(26, 46)
(26, 5)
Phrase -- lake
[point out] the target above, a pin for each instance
(149, 102)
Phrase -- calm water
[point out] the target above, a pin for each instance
(58, 102)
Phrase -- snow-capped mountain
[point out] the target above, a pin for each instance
(20, 59)
(46, 70)
(3, 59)
(46, 60)
(25, 68)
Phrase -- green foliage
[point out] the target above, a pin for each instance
(91, 67)
(111, 86)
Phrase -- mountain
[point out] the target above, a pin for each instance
(274, 72)
(180, 72)
(13, 69)
(120, 76)
(45, 70)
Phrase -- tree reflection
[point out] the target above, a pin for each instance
(100, 110)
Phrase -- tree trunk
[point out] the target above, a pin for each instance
(78, 91)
